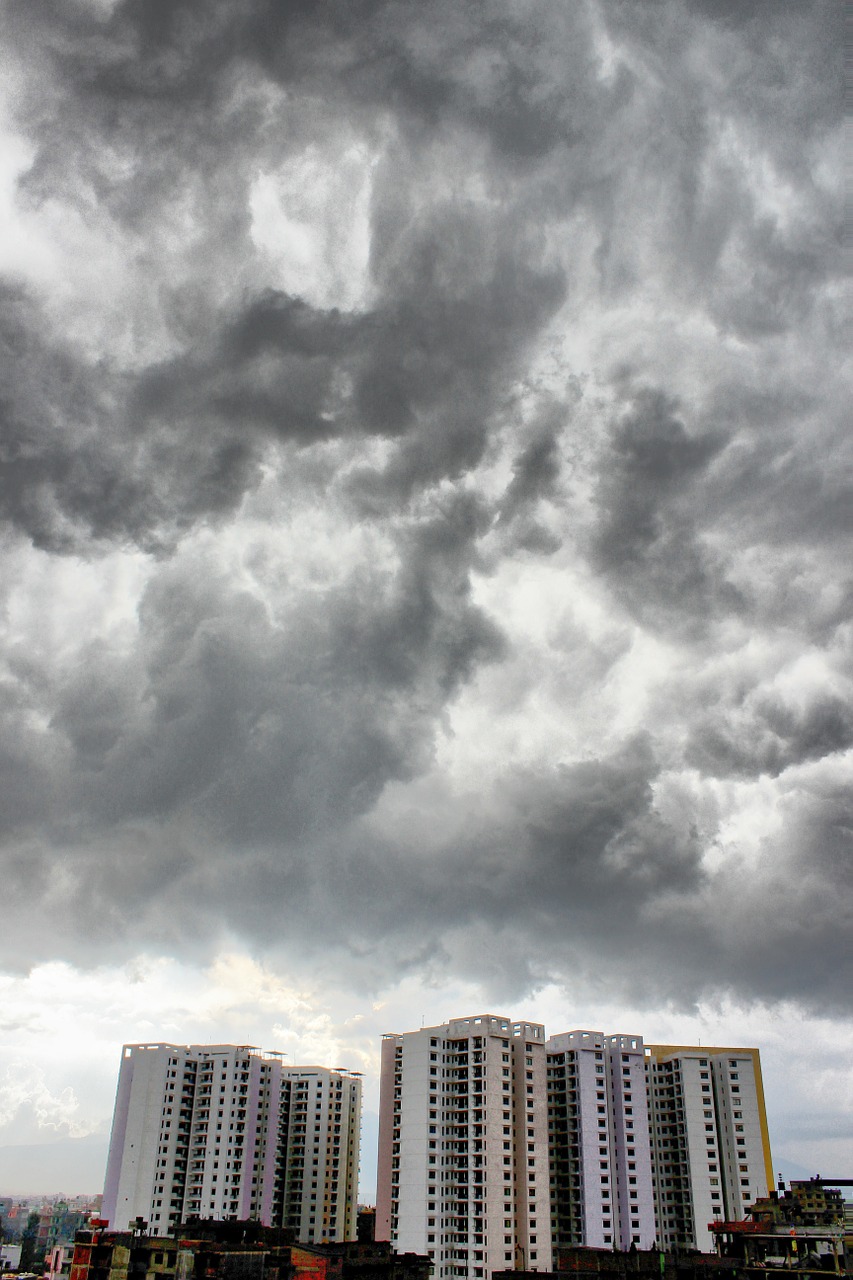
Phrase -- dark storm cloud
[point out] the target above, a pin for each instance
(645, 537)
(581, 880)
(459, 298)
(89, 451)
(496, 72)
(651, 178)
(770, 736)
(271, 730)
(801, 886)
(72, 468)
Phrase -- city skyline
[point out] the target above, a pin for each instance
(781, 1054)
(424, 537)
(500, 1143)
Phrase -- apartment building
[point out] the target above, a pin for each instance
(320, 1184)
(710, 1144)
(498, 1147)
(463, 1147)
(227, 1131)
(598, 1132)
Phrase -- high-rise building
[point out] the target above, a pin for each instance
(496, 1146)
(598, 1132)
(226, 1131)
(463, 1147)
(710, 1144)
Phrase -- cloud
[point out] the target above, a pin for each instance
(24, 1089)
(424, 486)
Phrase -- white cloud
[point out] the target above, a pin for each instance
(311, 220)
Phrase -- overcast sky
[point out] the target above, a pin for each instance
(424, 511)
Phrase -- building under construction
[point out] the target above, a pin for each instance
(804, 1227)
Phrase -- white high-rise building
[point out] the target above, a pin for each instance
(497, 1147)
(601, 1169)
(226, 1131)
(710, 1145)
(463, 1146)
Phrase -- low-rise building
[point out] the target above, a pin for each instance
(235, 1251)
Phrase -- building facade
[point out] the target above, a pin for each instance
(463, 1148)
(497, 1147)
(598, 1132)
(710, 1145)
(225, 1131)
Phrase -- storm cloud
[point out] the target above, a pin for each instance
(425, 491)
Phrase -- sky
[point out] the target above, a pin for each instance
(425, 504)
